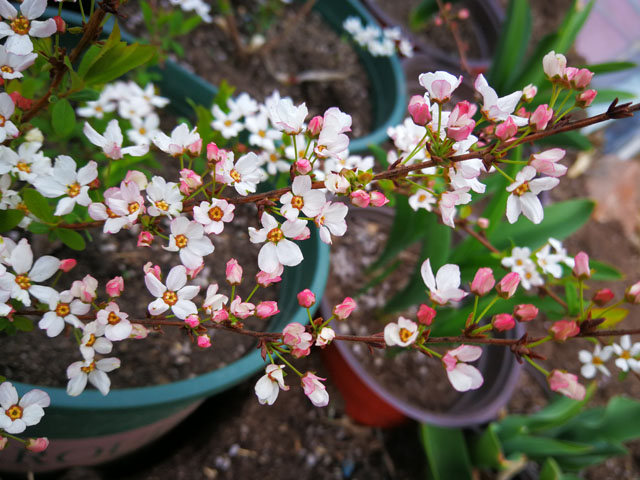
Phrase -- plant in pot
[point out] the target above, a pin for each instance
(62, 177)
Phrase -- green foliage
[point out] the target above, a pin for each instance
(70, 238)
(9, 219)
(446, 452)
(63, 118)
(38, 205)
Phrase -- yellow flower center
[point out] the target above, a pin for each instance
(170, 298)
(235, 175)
(162, 205)
(14, 412)
(133, 207)
(297, 202)
(596, 360)
(91, 341)
(521, 189)
(20, 25)
(113, 319)
(23, 167)
(6, 69)
(320, 221)
(626, 355)
(22, 207)
(275, 235)
(73, 190)
(62, 310)
(23, 282)
(404, 334)
(273, 158)
(142, 130)
(216, 214)
(90, 368)
(422, 197)
(110, 213)
(2, 121)
(228, 123)
(262, 133)
(181, 241)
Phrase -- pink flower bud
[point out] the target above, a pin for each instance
(37, 444)
(195, 148)
(204, 341)
(345, 309)
(483, 223)
(563, 329)
(581, 269)
(189, 181)
(220, 316)
(554, 65)
(138, 178)
(264, 279)
(602, 297)
(20, 101)
(426, 315)
(152, 269)
(115, 286)
(525, 312)
(336, 183)
(325, 336)
(138, 331)
(632, 295)
(234, 272)
(67, 264)
(586, 98)
(540, 117)
(503, 322)
(303, 166)
(61, 26)
(360, 198)
(306, 298)
(192, 320)
(267, 309)
(215, 154)
(378, 199)
(483, 282)
(567, 384)
(419, 110)
(506, 130)
(463, 14)
(145, 239)
(508, 285)
(578, 78)
(529, 92)
(315, 125)
(546, 162)
(85, 289)
(314, 390)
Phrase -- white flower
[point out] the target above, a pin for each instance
(62, 309)
(594, 362)
(64, 180)
(243, 105)
(270, 384)
(287, 117)
(448, 202)
(181, 138)
(228, 124)
(520, 260)
(111, 141)
(116, 323)
(402, 334)
(22, 26)
(213, 215)
(176, 294)
(422, 199)
(530, 277)
(549, 262)
(96, 372)
(498, 109)
(463, 377)
(7, 107)
(16, 416)
(21, 285)
(144, 129)
(523, 198)
(278, 249)
(274, 163)
(261, 135)
(96, 108)
(627, 354)
(244, 175)
(27, 164)
(12, 65)
(561, 252)
(214, 300)
(93, 341)
(445, 285)
(187, 237)
(440, 85)
(326, 335)
(302, 197)
(331, 221)
(165, 198)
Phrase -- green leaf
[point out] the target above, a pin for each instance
(119, 60)
(9, 219)
(486, 450)
(568, 140)
(70, 238)
(612, 316)
(86, 95)
(602, 271)
(379, 153)
(422, 13)
(63, 118)
(538, 447)
(22, 323)
(39, 228)
(607, 95)
(446, 452)
(609, 67)
(550, 470)
(560, 220)
(573, 302)
(512, 45)
(38, 205)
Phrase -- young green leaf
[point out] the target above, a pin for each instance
(9, 219)
(63, 118)
(446, 452)
(70, 238)
(38, 205)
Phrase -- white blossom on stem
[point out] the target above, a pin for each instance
(23, 25)
(278, 249)
(111, 141)
(524, 195)
(94, 371)
(627, 354)
(62, 309)
(462, 376)
(269, 385)
(445, 285)
(16, 414)
(187, 237)
(176, 295)
(594, 362)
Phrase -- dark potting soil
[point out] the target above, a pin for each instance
(414, 377)
(167, 354)
(310, 62)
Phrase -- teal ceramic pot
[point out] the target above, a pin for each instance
(91, 429)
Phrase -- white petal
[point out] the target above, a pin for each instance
(513, 208)
(288, 253)
(177, 278)
(100, 380)
(44, 268)
(427, 275)
(531, 207)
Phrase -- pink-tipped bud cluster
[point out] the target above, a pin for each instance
(529, 92)
(296, 336)
(503, 322)
(506, 130)
(525, 312)
(346, 308)
(563, 329)
(578, 78)
(567, 384)
(508, 285)
(267, 309)
(233, 272)
(315, 126)
(360, 198)
(632, 295)
(145, 239)
(303, 166)
(541, 117)
(426, 315)
(215, 154)
(204, 341)
(67, 264)
(461, 123)
(37, 445)
(115, 286)
(586, 98)
(602, 297)
(581, 269)
(192, 320)
(483, 282)
(190, 181)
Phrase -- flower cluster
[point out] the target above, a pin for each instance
(531, 266)
(378, 42)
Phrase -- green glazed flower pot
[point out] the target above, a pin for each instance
(91, 429)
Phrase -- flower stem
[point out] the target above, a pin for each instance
(536, 366)
(484, 312)
(288, 364)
